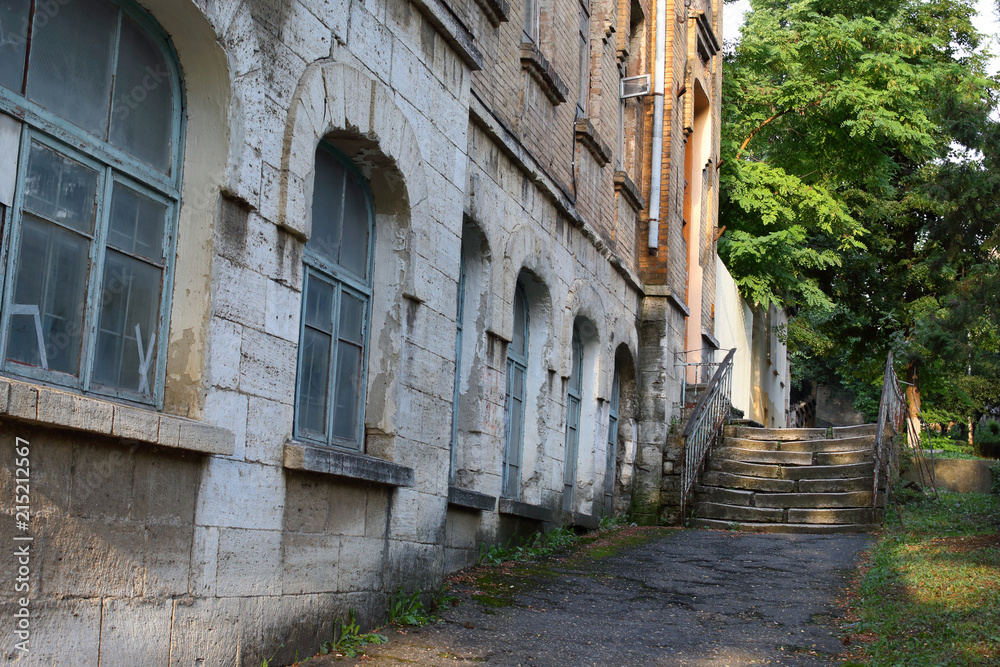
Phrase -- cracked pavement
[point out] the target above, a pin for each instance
(697, 598)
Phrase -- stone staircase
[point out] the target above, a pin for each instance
(804, 480)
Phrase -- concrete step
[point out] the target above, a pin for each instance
(835, 485)
(801, 528)
(777, 434)
(716, 494)
(763, 456)
(843, 458)
(842, 445)
(731, 481)
(789, 472)
(843, 515)
(724, 512)
(814, 500)
(788, 434)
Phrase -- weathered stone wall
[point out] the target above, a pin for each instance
(204, 534)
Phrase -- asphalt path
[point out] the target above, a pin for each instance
(697, 598)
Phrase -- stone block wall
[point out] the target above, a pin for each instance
(204, 532)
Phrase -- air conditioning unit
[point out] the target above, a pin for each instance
(635, 86)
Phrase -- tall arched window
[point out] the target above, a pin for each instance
(574, 395)
(612, 452)
(91, 100)
(517, 369)
(336, 298)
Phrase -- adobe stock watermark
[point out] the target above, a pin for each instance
(22, 545)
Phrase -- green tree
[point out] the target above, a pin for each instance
(861, 188)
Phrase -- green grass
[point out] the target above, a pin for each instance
(929, 593)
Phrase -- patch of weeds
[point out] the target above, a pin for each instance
(928, 592)
(350, 640)
(409, 609)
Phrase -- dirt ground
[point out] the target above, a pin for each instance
(697, 598)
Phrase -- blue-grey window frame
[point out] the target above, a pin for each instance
(510, 484)
(612, 454)
(459, 326)
(342, 279)
(113, 163)
(574, 403)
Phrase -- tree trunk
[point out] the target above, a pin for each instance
(913, 403)
(970, 432)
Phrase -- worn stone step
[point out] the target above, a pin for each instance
(789, 472)
(730, 481)
(855, 431)
(841, 516)
(779, 434)
(835, 485)
(725, 512)
(842, 458)
(763, 456)
(843, 445)
(802, 528)
(716, 494)
(814, 500)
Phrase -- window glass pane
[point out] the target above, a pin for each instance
(328, 206)
(352, 318)
(142, 112)
(345, 409)
(46, 318)
(69, 69)
(13, 42)
(314, 372)
(319, 304)
(60, 189)
(136, 223)
(354, 250)
(126, 335)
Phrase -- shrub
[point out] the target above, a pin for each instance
(987, 439)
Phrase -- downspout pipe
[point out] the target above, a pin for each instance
(656, 163)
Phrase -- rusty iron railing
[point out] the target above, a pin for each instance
(706, 422)
(891, 413)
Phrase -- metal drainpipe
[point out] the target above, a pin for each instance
(656, 164)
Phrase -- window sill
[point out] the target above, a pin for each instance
(472, 500)
(524, 510)
(497, 11)
(628, 189)
(38, 404)
(587, 135)
(351, 465)
(542, 71)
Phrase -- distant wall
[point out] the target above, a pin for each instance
(835, 407)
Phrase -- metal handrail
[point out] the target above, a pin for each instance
(705, 424)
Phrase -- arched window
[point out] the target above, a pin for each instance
(612, 452)
(574, 395)
(336, 298)
(517, 369)
(91, 102)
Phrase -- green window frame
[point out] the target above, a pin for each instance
(337, 278)
(88, 242)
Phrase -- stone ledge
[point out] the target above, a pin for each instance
(627, 188)
(587, 135)
(45, 406)
(582, 520)
(667, 293)
(342, 463)
(496, 11)
(544, 73)
(471, 499)
(524, 510)
(452, 30)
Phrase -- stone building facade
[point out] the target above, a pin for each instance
(306, 300)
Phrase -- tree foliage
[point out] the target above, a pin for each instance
(861, 185)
